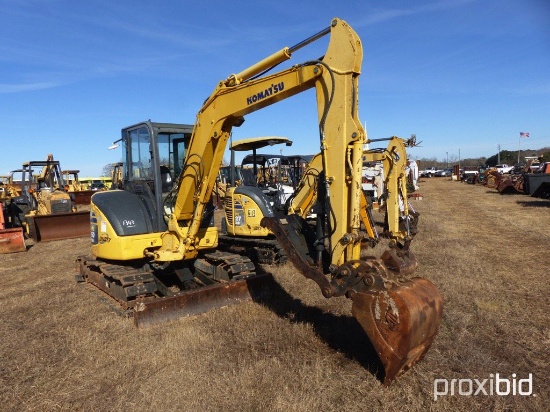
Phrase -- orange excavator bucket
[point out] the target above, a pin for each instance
(401, 323)
(11, 239)
(399, 313)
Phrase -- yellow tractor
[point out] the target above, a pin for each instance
(155, 247)
(79, 192)
(116, 176)
(7, 188)
(45, 209)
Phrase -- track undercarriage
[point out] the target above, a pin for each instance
(260, 250)
(153, 293)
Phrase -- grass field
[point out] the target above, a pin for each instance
(62, 348)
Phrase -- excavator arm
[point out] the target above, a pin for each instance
(334, 77)
(400, 313)
(401, 220)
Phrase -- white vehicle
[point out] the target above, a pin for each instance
(373, 178)
(429, 172)
(413, 173)
(504, 168)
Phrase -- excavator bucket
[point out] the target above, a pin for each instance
(58, 226)
(401, 322)
(12, 240)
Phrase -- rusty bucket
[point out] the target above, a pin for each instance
(59, 226)
(401, 322)
(12, 240)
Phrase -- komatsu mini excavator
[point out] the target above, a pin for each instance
(155, 250)
(261, 191)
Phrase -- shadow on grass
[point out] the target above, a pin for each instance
(507, 191)
(529, 202)
(534, 203)
(342, 333)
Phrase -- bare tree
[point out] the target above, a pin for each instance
(107, 170)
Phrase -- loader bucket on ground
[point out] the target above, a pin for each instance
(12, 240)
(508, 186)
(59, 226)
(152, 311)
(401, 323)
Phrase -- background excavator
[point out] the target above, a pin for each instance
(155, 251)
(261, 190)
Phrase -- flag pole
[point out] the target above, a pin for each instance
(519, 147)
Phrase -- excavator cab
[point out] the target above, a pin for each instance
(258, 194)
(264, 187)
(152, 157)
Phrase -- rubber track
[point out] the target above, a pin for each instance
(263, 251)
(127, 284)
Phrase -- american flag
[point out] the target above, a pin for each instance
(523, 134)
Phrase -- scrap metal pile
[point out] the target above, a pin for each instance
(532, 181)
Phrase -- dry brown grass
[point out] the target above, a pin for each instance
(63, 349)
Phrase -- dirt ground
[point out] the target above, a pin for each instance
(63, 348)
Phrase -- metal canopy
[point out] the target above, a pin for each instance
(253, 143)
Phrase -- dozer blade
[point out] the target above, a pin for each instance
(59, 226)
(150, 312)
(401, 323)
(12, 240)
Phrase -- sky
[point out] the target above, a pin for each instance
(465, 76)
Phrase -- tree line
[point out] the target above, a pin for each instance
(509, 157)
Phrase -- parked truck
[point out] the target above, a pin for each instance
(429, 172)
(504, 168)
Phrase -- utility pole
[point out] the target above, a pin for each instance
(447, 164)
(498, 157)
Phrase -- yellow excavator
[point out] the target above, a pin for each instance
(154, 244)
(261, 192)
(246, 206)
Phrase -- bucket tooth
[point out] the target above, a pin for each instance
(401, 322)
